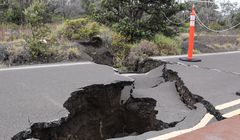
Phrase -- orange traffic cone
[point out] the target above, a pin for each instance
(191, 38)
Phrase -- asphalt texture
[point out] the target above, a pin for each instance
(36, 94)
(30, 95)
(216, 79)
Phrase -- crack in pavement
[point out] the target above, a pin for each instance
(187, 97)
(96, 113)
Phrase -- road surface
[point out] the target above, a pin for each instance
(36, 93)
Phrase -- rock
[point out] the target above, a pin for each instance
(238, 93)
(103, 56)
(100, 55)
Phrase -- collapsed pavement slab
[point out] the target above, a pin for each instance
(37, 94)
(168, 104)
(99, 111)
(165, 98)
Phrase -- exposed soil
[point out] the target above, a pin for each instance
(96, 113)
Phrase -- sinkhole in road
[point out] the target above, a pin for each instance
(98, 112)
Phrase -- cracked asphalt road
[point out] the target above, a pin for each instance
(37, 93)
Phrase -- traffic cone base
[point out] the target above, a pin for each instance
(190, 60)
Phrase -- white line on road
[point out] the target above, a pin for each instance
(206, 54)
(45, 66)
(227, 105)
(208, 117)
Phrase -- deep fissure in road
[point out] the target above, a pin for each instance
(188, 98)
(97, 113)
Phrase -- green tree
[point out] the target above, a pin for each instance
(137, 19)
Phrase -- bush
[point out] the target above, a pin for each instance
(120, 49)
(81, 28)
(17, 55)
(146, 47)
(36, 14)
(73, 53)
(215, 26)
(184, 28)
(13, 14)
(38, 49)
(140, 52)
(121, 54)
(167, 45)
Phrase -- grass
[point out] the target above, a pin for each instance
(167, 45)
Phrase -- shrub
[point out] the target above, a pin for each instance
(17, 55)
(81, 28)
(13, 14)
(167, 45)
(120, 48)
(36, 14)
(121, 54)
(215, 26)
(38, 49)
(146, 47)
(140, 52)
(73, 53)
(184, 28)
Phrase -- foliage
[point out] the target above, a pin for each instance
(207, 12)
(184, 28)
(36, 16)
(136, 19)
(132, 30)
(236, 18)
(117, 45)
(13, 14)
(122, 50)
(81, 28)
(36, 13)
(140, 52)
(215, 26)
(167, 45)
(73, 53)
(88, 5)
(17, 55)
(37, 48)
(147, 48)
